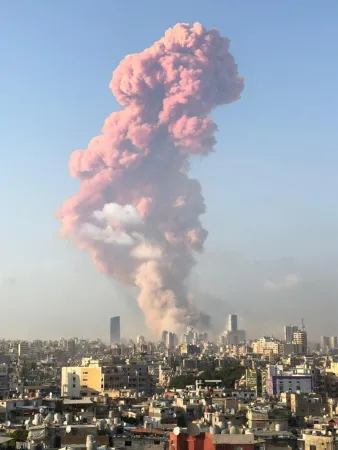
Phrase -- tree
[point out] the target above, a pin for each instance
(19, 435)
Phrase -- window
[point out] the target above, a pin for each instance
(157, 442)
(74, 386)
(312, 447)
(127, 443)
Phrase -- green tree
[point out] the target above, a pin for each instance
(19, 435)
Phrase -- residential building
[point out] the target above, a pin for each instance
(90, 380)
(288, 332)
(300, 338)
(207, 441)
(280, 380)
(23, 349)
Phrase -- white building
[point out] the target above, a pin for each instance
(299, 380)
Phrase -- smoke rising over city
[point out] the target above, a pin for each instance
(137, 211)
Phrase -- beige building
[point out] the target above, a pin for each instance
(92, 379)
(267, 345)
(80, 381)
(318, 441)
(300, 339)
(267, 420)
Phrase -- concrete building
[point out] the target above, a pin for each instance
(302, 405)
(170, 339)
(300, 338)
(71, 347)
(318, 439)
(79, 381)
(288, 332)
(333, 342)
(23, 349)
(91, 380)
(115, 332)
(280, 380)
(324, 342)
(4, 381)
(265, 345)
(164, 337)
(207, 441)
(232, 336)
(232, 322)
(267, 419)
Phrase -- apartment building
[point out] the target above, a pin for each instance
(93, 379)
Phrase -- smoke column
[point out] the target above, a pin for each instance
(137, 211)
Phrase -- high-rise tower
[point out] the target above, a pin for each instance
(115, 336)
(232, 322)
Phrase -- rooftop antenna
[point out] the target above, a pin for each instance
(303, 326)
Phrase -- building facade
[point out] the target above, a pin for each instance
(280, 380)
(115, 331)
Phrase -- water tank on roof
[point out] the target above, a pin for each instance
(37, 419)
(214, 430)
(91, 442)
(233, 430)
(68, 418)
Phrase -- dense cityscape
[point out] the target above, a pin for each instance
(122, 175)
(180, 393)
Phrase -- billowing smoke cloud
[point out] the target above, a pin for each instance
(137, 211)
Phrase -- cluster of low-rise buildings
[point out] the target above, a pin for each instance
(176, 394)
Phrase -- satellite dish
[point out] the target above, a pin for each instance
(8, 423)
(176, 431)
(193, 429)
(68, 429)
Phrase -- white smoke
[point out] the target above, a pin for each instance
(113, 225)
(123, 215)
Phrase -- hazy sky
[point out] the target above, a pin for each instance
(270, 187)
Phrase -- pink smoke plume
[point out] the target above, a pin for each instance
(137, 211)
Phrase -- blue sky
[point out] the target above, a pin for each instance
(270, 187)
